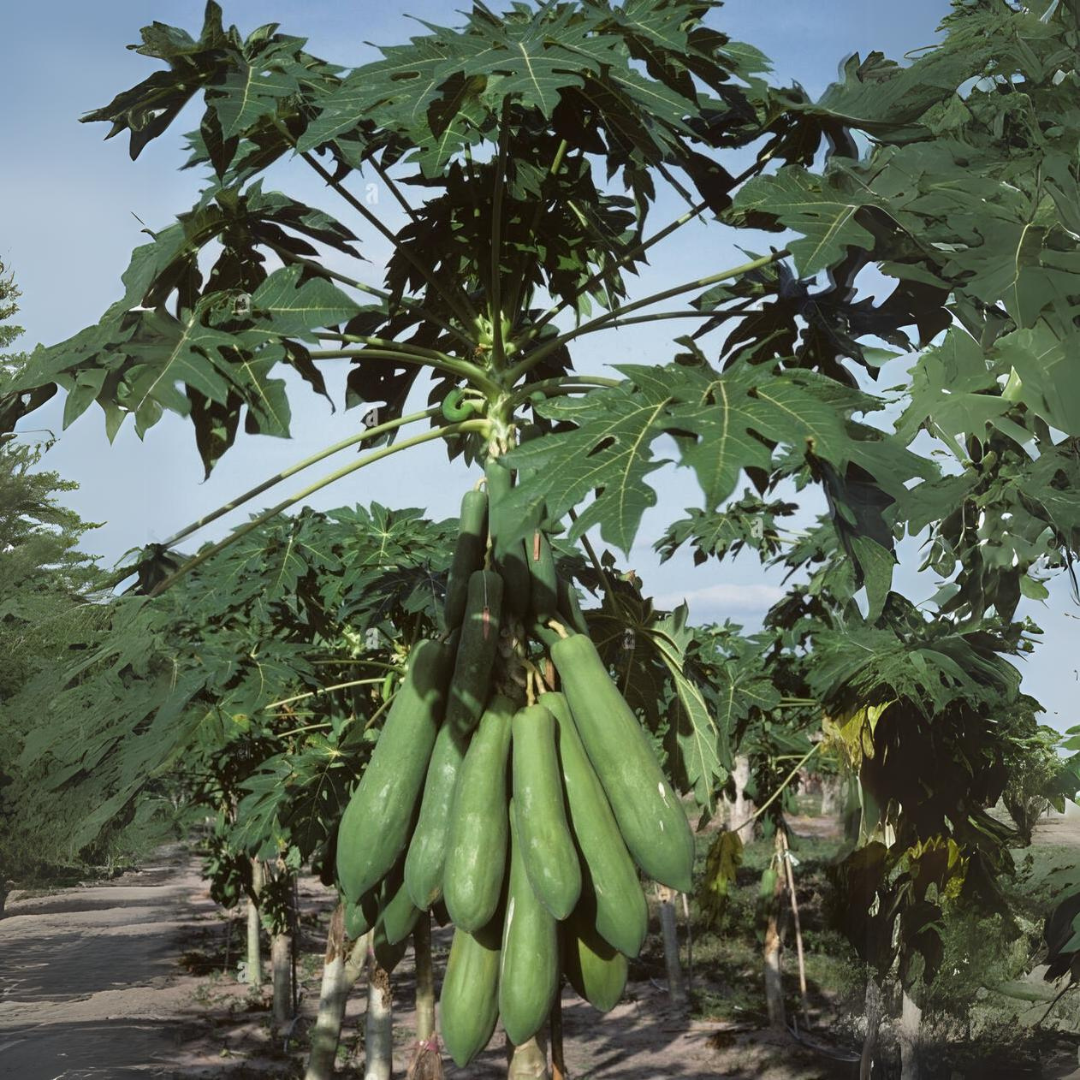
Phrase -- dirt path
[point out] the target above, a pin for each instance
(133, 979)
(90, 985)
(127, 980)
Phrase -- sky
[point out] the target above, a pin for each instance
(72, 207)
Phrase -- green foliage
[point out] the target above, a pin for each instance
(513, 130)
(198, 680)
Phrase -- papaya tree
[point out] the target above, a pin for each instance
(527, 151)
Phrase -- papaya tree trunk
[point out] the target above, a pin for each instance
(670, 935)
(332, 995)
(254, 928)
(830, 796)
(379, 1026)
(426, 1061)
(528, 1061)
(281, 973)
(425, 980)
(873, 1024)
(774, 987)
(741, 808)
(558, 1062)
(910, 1028)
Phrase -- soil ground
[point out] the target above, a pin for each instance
(136, 978)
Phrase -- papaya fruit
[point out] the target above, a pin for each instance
(479, 640)
(466, 696)
(547, 848)
(509, 555)
(468, 555)
(595, 969)
(544, 582)
(427, 849)
(650, 816)
(570, 607)
(469, 1002)
(478, 834)
(398, 913)
(621, 912)
(362, 915)
(529, 966)
(375, 826)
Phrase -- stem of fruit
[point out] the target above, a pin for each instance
(353, 440)
(439, 433)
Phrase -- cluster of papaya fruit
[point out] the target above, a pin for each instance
(516, 811)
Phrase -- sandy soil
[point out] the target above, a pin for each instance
(133, 979)
(136, 979)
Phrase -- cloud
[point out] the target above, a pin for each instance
(723, 599)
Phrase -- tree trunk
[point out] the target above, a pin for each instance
(528, 1061)
(774, 987)
(831, 792)
(426, 1062)
(281, 972)
(379, 1026)
(873, 1023)
(558, 1063)
(670, 933)
(910, 1025)
(332, 996)
(741, 808)
(254, 928)
(425, 980)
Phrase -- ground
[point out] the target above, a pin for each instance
(137, 978)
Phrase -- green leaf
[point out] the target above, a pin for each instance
(818, 208)
(295, 309)
(248, 94)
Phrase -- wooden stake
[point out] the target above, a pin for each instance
(786, 855)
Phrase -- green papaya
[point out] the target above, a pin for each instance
(466, 696)
(529, 968)
(375, 826)
(621, 914)
(427, 849)
(398, 914)
(478, 834)
(509, 555)
(471, 680)
(594, 969)
(361, 916)
(570, 607)
(650, 816)
(469, 1002)
(468, 555)
(547, 847)
(544, 583)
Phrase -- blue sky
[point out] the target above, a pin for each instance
(70, 216)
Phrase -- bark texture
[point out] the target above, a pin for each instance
(332, 996)
(379, 1027)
